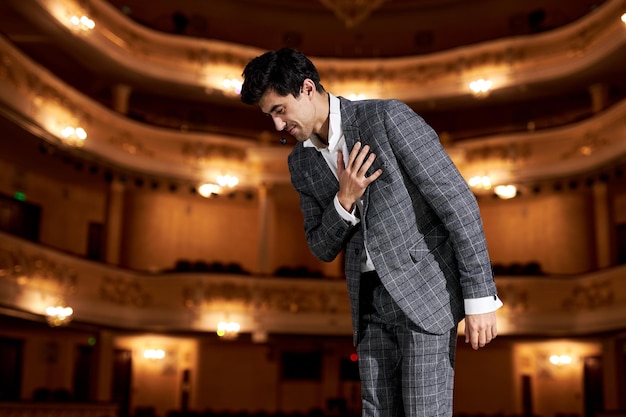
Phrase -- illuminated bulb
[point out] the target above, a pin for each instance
(227, 180)
(480, 181)
(207, 190)
(505, 191)
(560, 359)
(58, 315)
(83, 22)
(232, 84)
(481, 87)
(154, 354)
(624, 18)
(67, 131)
(76, 135)
(356, 97)
(228, 330)
(80, 133)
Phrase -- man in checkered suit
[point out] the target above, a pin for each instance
(375, 182)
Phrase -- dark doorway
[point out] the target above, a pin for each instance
(19, 218)
(85, 374)
(185, 390)
(122, 371)
(621, 374)
(621, 244)
(594, 387)
(10, 369)
(527, 396)
(95, 242)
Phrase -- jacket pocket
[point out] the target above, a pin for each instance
(431, 243)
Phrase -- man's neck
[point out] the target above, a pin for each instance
(324, 108)
(322, 140)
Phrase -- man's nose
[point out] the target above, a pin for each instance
(279, 124)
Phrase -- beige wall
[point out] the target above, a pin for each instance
(555, 230)
(67, 207)
(160, 227)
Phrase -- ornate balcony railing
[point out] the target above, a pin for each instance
(33, 277)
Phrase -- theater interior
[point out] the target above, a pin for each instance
(153, 260)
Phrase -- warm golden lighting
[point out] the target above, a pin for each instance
(232, 85)
(82, 23)
(356, 97)
(59, 315)
(624, 18)
(154, 353)
(207, 190)
(481, 87)
(228, 330)
(227, 180)
(479, 181)
(75, 136)
(505, 191)
(560, 359)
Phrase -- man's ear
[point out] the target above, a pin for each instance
(308, 87)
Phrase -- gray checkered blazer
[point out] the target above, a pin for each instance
(420, 221)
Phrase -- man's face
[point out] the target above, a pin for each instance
(295, 116)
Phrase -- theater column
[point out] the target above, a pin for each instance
(114, 221)
(599, 97)
(121, 96)
(264, 231)
(602, 219)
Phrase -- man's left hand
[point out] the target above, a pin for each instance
(480, 329)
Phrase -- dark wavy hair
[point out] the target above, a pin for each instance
(282, 71)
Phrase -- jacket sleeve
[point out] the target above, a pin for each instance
(419, 151)
(326, 231)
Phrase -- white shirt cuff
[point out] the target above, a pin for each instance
(482, 305)
(347, 216)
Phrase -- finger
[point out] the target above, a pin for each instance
(353, 154)
(482, 339)
(340, 164)
(367, 163)
(373, 177)
(360, 159)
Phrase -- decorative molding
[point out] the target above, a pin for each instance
(124, 291)
(590, 296)
(104, 295)
(36, 96)
(352, 12)
(204, 63)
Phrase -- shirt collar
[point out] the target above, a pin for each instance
(335, 132)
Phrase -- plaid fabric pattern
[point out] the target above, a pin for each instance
(422, 229)
(420, 221)
(404, 371)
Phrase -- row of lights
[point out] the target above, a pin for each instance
(228, 330)
(559, 360)
(57, 316)
(74, 136)
(480, 87)
(223, 181)
(82, 23)
(483, 182)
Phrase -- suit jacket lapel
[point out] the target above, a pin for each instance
(352, 135)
